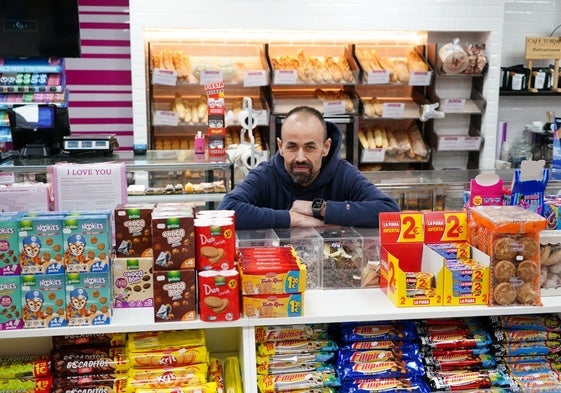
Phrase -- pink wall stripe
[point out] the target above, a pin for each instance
(99, 84)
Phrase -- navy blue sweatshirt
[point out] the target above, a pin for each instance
(263, 198)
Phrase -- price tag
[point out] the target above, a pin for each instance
(262, 117)
(211, 76)
(378, 77)
(447, 227)
(393, 110)
(7, 178)
(373, 155)
(451, 143)
(165, 118)
(335, 107)
(255, 78)
(453, 105)
(411, 228)
(420, 78)
(164, 77)
(285, 77)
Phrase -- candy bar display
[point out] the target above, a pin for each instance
(293, 357)
(26, 373)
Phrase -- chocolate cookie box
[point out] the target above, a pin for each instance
(175, 297)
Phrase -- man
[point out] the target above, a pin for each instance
(306, 183)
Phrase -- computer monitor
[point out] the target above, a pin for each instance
(44, 135)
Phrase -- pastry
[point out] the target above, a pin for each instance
(527, 295)
(527, 270)
(503, 248)
(504, 271)
(504, 294)
(530, 247)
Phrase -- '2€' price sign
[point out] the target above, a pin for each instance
(445, 227)
(401, 227)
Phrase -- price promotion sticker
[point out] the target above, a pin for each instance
(401, 228)
(445, 227)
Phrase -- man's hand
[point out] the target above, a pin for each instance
(303, 220)
(302, 207)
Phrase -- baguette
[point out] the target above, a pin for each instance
(401, 70)
(334, 69)
(363, 140)
(415, 62)
(345, 69)
(178, 107)
(388, 65)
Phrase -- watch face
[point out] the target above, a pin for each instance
(317, 203)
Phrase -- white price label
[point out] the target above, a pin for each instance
(454, 143)
(393, 110)
(420, 78)
(336, 107)
(378, 77)
(262, 117)
(285, 77)
(165, 118)
(7, 177)
(373, 155)
(453, 105)
(211, 76)
(164, 77)
(255, 78)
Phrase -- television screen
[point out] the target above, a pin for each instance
(39, 28)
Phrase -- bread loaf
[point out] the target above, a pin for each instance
(401, 70)
(415, 63)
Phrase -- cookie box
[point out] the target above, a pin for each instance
(273, 306)
(87, 243)
(133, 282)
(173, 240)
(88, 299)
(175, 295)
(41, 244)
(219, 295)
(43, 300)
(215, 240)
(133, 230)
(10, 303)
(9, 244)
(271, 270)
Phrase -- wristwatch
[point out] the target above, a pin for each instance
(317, 205)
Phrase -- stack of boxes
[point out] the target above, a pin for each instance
(10, 291)
(173, 246)
(133, 263)
(218, 279)
(273, 282)
(56, 269)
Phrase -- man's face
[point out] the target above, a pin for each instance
(302, 146)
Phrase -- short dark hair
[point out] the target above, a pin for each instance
(308, 110)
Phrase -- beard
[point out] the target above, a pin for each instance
(300, 177)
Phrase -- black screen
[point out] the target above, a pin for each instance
(39, 28)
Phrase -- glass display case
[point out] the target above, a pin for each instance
(166, 175)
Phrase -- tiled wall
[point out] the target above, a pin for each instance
(526, 18)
